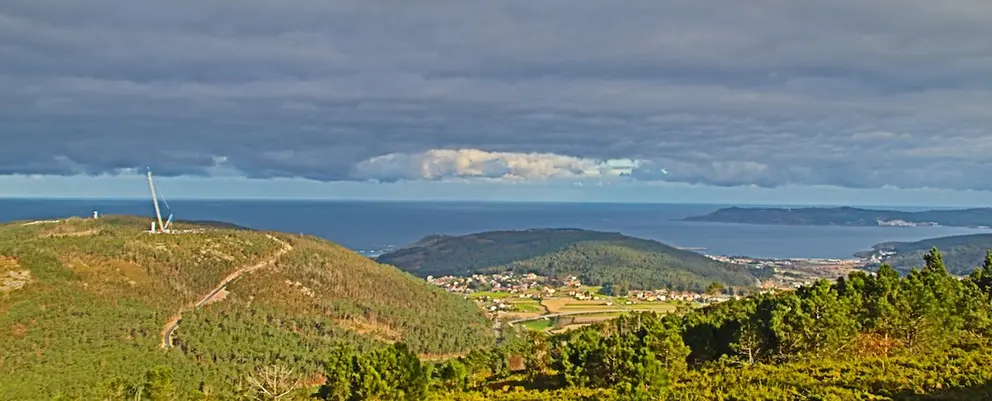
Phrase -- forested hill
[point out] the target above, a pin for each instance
(595, 257)
(848, 216)
(962, 253)
(84, 302)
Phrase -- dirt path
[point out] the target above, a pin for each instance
(173, 323)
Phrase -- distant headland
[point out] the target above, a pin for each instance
(849, 216)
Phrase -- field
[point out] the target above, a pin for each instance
(598, 310)
(527, 305)
(565, 305)
(539, 325)
(490, 294)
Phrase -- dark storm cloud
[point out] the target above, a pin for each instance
(863, 93)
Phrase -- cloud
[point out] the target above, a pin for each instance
(440, 164)
(862, 94)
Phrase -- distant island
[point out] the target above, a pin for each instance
(962, 253)
(849, 216)
(597, 258)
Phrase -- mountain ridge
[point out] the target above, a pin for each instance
(596, 257)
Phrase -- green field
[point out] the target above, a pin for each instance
(490, 294)
(528, 305)
(538, 325)
(654, 306)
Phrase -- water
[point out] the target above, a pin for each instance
(375, 225)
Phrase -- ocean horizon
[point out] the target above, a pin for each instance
(369, 226)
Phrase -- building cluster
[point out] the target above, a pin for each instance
(879, 256)
(751, 262)
(635, 296)
(525, 285)
(685, 296)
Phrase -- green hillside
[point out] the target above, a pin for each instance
(922, 336)
(595, 257)
(85, 302)
(962, 253)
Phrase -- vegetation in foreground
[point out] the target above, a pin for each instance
(83, 304)
(596, 258)
(924, 336)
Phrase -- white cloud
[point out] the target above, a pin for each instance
(441, 164)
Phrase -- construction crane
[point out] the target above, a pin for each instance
(162, 227)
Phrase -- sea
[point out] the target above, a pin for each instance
(372, 227)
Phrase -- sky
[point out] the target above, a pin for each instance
(715, 101)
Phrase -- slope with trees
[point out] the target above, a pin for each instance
(923, 336)
(961, 252)
(597, 258)
(87, 298)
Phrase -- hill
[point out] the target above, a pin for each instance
(85, 302)
(962, 253)
(848, 216)
(597, 258)
(925, 336)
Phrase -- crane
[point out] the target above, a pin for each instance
(162, 227)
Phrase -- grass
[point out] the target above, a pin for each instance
(490, 294)
(538, 325)
(657, 307)
(528, 306)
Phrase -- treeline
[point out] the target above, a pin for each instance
(867, 336)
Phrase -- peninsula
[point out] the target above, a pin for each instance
(848, 216)
(962, 253)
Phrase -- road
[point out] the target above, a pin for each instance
(173, 323)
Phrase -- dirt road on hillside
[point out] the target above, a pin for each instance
(173, 323)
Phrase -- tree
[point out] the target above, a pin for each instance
(389, 373)
(714, 288)
(338, 375)
(453, 374)
(982, 277)
(814, 320)
(538, 357)
(934, 262)
(159, 385)
(619, 289)
(274, 382)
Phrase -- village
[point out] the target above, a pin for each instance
(787, 274)
(562, 303)
(532, 294)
